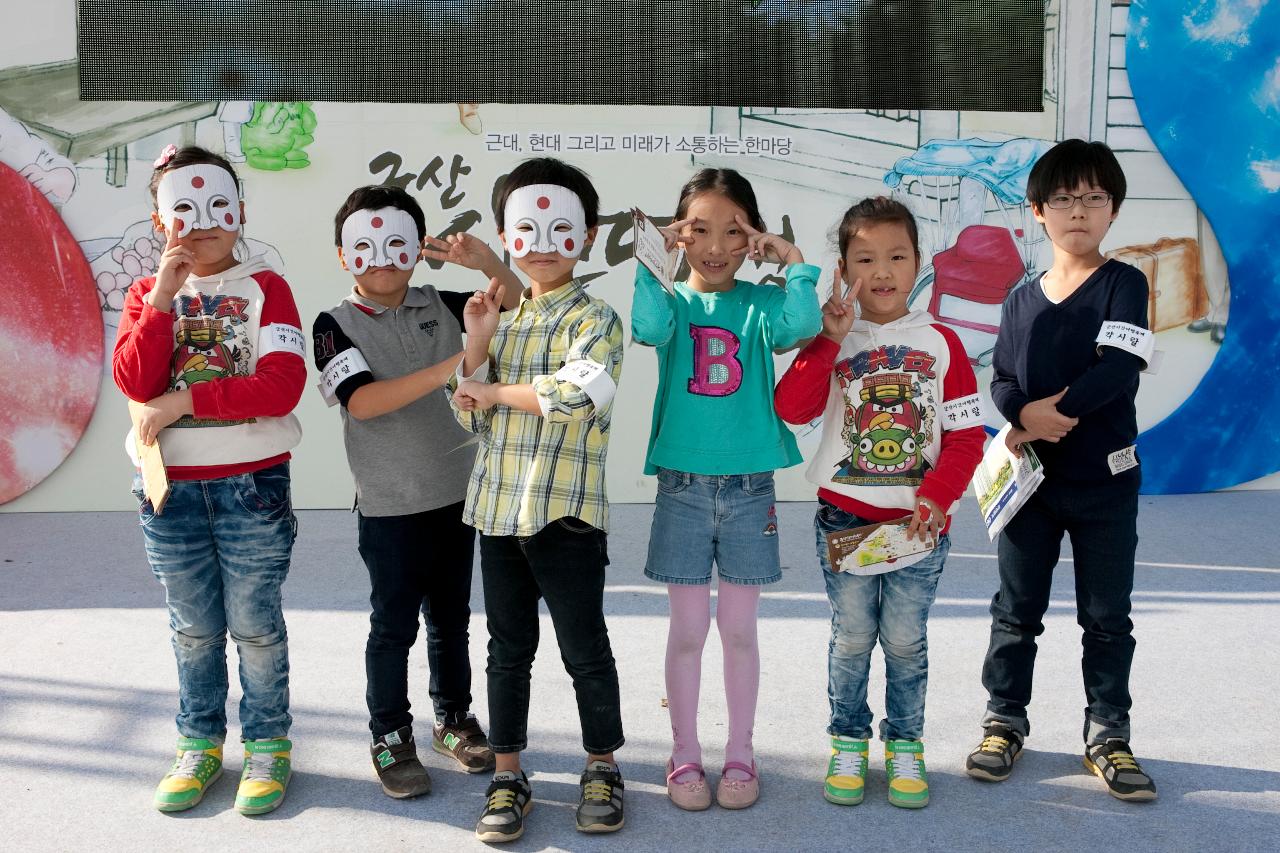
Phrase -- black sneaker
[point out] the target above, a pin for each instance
(507, 801)
(395, 757)
(600, 807)
(464, 743)
(1113, 763)
(993, 760)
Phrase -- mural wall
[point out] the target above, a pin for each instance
(87, 164)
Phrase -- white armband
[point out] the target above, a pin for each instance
(281, 337)
(962, 412)
(345, 364)
(1134, 340)
(591, 377)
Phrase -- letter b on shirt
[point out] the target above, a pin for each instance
(716, 369)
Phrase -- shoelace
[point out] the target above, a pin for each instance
(503, 798)
(994, 743)
(188, 764)
(1124, 761)
(906, 766)
(260, 765)
(597, 790)
(848, 764)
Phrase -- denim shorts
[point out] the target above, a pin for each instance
(727, 519)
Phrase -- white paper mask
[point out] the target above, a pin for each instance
(368, 235)
(198, 197)
(532, 215)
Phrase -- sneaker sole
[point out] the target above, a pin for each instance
(444, 750)
(499, 837)
(909, 804)
(842, 801)
(597, 828)
(1132, 797)
(405, 795)
(182, 807)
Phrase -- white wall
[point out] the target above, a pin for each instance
(292, 211)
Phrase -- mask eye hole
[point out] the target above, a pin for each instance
(218, 204)
(362, 245)
(182, 207)
(396, 243)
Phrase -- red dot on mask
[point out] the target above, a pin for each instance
(404, 258)
(377, 222)
(197, 182)
(179, 224)
(568, 243)
(519, 244)
(231, 220)
(359, 262)
(543, 202)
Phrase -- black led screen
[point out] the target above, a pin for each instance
(890, 54)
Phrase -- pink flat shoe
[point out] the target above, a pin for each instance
(738, 793)
(693, 795)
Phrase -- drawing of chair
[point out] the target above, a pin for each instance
(970, 282)
(951, 183)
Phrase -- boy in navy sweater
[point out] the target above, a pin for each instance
(1066, 365)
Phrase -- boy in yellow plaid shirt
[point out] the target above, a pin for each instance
(537, 386)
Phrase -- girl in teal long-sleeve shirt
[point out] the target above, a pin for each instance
(714, 444)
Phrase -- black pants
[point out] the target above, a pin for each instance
(1101, 520)
(419, 562)
(564, 564)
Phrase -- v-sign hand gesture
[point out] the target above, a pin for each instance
(763, 246)
(481, 313)
(672, 236)
(837, 312)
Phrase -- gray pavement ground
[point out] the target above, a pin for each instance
(87, 697)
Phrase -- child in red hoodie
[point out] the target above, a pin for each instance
(902, 433)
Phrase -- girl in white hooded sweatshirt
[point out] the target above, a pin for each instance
(901, 436)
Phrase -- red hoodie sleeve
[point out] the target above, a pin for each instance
(140, 363)
(961, 448)
(278, 379)
(801, 395)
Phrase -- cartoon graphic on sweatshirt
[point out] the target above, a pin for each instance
(888, 416)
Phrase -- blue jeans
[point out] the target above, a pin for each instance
(221, 548)
(893, 607)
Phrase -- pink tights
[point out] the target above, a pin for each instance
(690, 621)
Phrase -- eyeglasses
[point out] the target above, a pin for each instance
(1066, 201)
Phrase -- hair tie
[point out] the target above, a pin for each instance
(166, 155)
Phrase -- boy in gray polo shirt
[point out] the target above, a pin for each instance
(385, 353)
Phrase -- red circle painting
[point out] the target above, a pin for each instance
(50, 334)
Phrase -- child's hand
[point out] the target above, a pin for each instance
(927, 521)
(160, 412)
(176, 264)
(672, 236)
(465, 250)
(1014, 440)
(478, 396)
(1042, 419)
(837, 312)
(762, 246)
(480, 315)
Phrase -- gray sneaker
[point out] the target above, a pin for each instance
(395, 757)
(1113, 763)
(993, 760)
(600, 807)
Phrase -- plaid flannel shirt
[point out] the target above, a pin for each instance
(531, 470)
